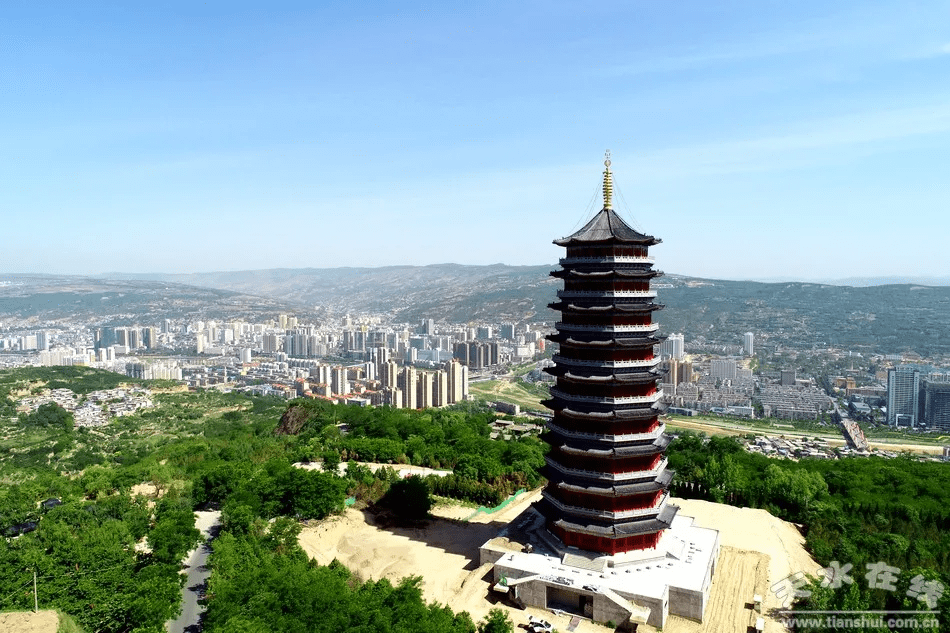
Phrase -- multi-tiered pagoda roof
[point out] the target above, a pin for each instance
(607, 474)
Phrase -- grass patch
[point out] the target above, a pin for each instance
(525, 395)
(67, 624)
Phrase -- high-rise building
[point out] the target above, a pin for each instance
(673, 347)
(409, 390)
(935, 402)
(457, 388)
(789, 377)
(747, 344)
(424, 391)
(477, 355)
(104, 337)
(672, 372)
(440, 389)
(685, 372)
(270, 343)
(903, 396)
(389, 374)
(149, 337)
(723, 369)
(369, 371)
(338, 382)
(607, 488)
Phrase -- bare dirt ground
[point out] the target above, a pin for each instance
(739, 573)
(444, 554)
(755, 530)
(757, 551)
(29, 622)
(145, 489)
(404, 470)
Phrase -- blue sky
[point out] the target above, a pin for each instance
(758, 139)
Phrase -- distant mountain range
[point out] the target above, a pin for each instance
(58, 298)
(870, 281)
(407, 293)
(886, 318)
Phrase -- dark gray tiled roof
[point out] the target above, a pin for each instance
(607, 226)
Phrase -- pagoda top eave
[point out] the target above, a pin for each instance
(607, 228)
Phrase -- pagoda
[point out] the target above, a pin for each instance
(607, 488)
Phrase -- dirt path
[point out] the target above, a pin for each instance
(197, 572)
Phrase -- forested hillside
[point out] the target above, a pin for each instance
(109, 557)
(861, 512)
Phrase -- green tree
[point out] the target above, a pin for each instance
(313, 495)
(409, 498)
(51, 415)
(497, 621)
(174, 532)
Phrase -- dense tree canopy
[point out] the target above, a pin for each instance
(409, 498)
(857, 511)
(207, 448)
(263, 581)
(51, 415)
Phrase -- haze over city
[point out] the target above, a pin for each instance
(758, 139)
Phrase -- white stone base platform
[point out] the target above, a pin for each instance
(644, 586)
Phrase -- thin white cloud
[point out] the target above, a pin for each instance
(929, 51)
(805, 144)
(856, 35)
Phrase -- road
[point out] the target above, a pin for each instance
(196, 566)
(832, 434)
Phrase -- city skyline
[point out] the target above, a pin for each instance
(758, 140)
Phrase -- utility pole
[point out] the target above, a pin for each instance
(36, 603)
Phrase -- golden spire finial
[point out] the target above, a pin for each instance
(608, 182)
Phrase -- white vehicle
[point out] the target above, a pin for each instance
(537, 625)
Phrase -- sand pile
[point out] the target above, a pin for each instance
(756, 530)
(757, 551)
(29, 622)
